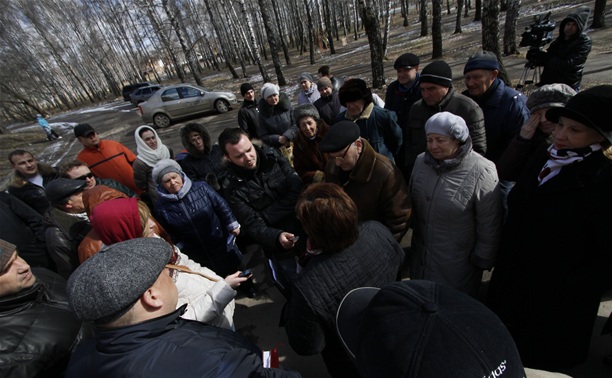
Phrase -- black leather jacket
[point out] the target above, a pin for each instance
(64, 233)
(39, 330)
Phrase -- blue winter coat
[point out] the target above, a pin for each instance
(379, 127)
(505, 111)
(200, 219)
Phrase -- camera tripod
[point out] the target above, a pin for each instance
(524, 81)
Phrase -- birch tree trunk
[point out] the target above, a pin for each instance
(370, 22)
(436, 29)
(510, 27)
(423, 17)
(272, 43)
(254, 48)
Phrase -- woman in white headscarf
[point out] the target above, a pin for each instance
(150, 150)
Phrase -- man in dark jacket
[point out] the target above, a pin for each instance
(377, 125)
(24, 227)
(404, 91)
(66, 222)
(140, 331)
(262, 188)
(203, 159)
(29, 179)
(505, 109)
(369, 178)
(436, 84)
(248, 115)
(77, 170)
(565, 58)
(328, 105)
(39, 330)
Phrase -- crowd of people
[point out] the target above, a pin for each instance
(127, 264)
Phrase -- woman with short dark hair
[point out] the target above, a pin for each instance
(342, 255)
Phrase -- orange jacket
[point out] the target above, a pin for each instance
(112, 160)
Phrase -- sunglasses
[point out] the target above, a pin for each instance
(86, 176)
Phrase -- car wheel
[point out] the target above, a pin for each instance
(222, 106)
(161, 120)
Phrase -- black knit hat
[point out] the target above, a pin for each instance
(424, 329)
(437, 72)
(407, 60)
(353, 90)
(245, 87)
(589, 108)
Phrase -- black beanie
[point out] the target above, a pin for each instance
(244, 88)
(437, 72)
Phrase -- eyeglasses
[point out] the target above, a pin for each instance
(341, 158)
(86, 176)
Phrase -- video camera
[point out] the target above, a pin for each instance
(540, 33)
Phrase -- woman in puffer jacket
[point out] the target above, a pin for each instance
(456, 208)
(276, 127)
(197, 218)
(209, 297)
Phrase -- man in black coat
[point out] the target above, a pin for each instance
(39, 330)
(262, 189)
(29, 179)
(248, 115)
(140, 331)
(24, 227)
(565, 58)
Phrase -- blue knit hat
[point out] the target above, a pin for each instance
(484, 60)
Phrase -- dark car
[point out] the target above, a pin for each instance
(143, 94)
(128, 89)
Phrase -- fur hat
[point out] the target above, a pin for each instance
(353, 90)
(108, 284)
(324, 82)
(269, 89)
(245, 87)
(437, 72)
(164, 167)
(424, 329)
(550, 96)
(448, 124)
(589, 108)
(483, 60)
(407, 60)
(6, 251)
(339, 136)
(305, 110)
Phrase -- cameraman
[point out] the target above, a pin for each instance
(564, 61)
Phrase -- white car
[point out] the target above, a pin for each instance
(183, 100)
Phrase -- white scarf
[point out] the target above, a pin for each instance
(560, 158)
(145, 153)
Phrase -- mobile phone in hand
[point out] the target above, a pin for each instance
(245, 273)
